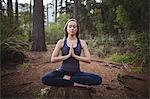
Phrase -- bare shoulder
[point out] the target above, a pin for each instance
(60, 43)
(83, 43)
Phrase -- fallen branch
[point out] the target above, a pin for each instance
(7, 74)
(41, 63)
(27, 83)
(97, 60)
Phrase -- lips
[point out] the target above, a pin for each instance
(72, 31)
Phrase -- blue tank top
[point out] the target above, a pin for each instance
(71, 64)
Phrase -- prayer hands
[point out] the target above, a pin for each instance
(71, 51)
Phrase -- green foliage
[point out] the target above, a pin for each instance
(10, 37)
(137, 12)
(42, 93)
(139, 69)
(137, 43)
(121, 17)
(25, 65)
(25, 24)
(112, 28)
(13, 39)
(100, 46)
(25, 21)
(55, 31)
(130, 58)
(14, 36)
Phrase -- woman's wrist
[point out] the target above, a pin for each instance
(66, 57)
(76, 56)
(85, 59)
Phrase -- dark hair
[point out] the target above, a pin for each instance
(65, 28)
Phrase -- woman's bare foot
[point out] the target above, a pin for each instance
(81, 85)
(67, 77)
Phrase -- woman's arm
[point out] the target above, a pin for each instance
(55, 55)
(87, 57)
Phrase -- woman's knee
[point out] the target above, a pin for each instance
(49, 77)
(45, 80)
(98, 80)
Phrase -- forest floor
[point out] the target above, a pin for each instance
(24, 81)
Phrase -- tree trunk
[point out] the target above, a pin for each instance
(47, 14)
(75, 9)
(30, 35)
(55, 10)
(38, 35)
(107, 2)
(61, 1)
(102, 14)
(31, 9)
(66, 3)
(10, 11)
(16, 11)
(67, 93)
(0, 9)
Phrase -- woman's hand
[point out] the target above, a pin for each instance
(55, 55)
(72, 51)
(86, 58)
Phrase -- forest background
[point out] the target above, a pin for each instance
(117, 30)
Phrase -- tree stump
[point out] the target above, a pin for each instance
(66, 93)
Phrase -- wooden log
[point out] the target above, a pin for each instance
(135, 85)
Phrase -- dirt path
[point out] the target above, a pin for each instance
(25, 80)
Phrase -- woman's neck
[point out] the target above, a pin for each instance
(72, 37)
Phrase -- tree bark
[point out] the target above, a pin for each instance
(75, 9)
(10, 11)
(30, 35)
(0, 9)
(66, 3)
(61, 1)
(47, 13)
(16, 11)
(55, 10)
(30, 8)
(38, 35)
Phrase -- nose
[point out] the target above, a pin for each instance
(72, 28)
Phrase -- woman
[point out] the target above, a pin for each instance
(69, 73)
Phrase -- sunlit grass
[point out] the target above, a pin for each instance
(25, 65)
(140, 69)
(130, 58)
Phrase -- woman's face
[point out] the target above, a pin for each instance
(72, 28)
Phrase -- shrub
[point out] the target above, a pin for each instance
(140, 69)
(12, 42)
(54, 31)
(130, 58)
